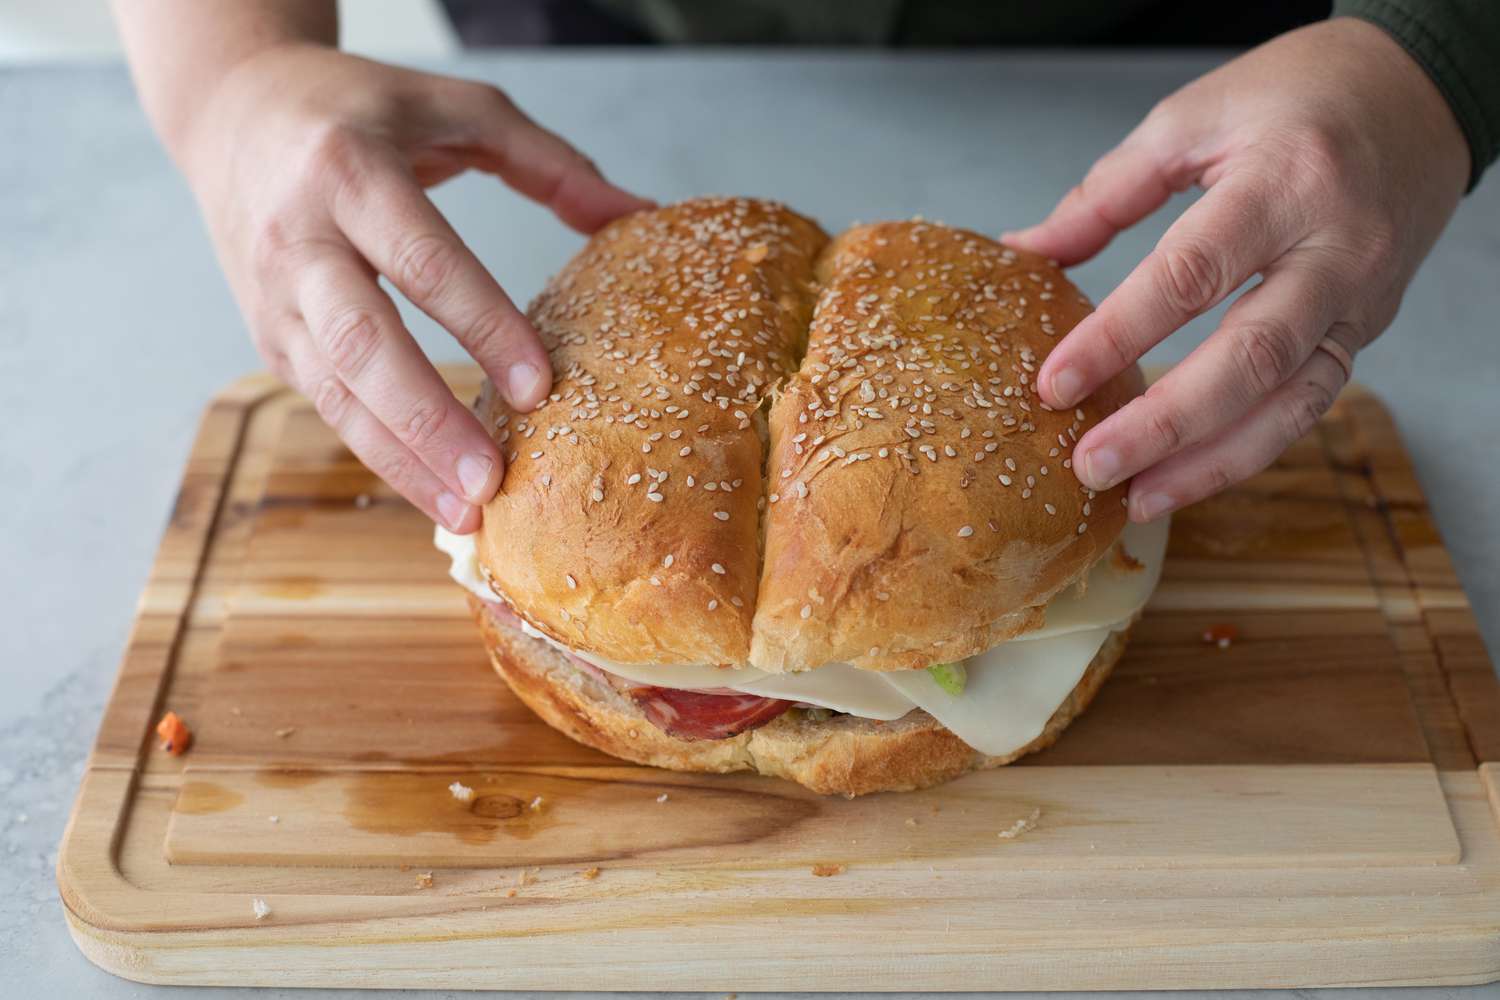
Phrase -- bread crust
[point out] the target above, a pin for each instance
(843, 755)
(766, 448)
(922, 507)
(628, 520)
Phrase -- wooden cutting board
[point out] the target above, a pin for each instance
(1316, 804)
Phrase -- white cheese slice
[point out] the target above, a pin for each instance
(463, 566)
(1012, 691)
(1114, 594)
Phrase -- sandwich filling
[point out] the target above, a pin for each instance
(996, 701)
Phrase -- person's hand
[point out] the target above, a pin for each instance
(1331, 163)
(310, 166)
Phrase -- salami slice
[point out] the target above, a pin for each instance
(696, 715)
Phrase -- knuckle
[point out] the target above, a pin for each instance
(424, 264)
(1381, 250)
(1192, 276)
(279, 363)
(399, 468)
(1266, 354)
(424, 421)
(498, 99)
(1163, 426)
(350, 339)
(488, 329)
(334, 153)
(1218, 477)
(1117, 340)
(273, 247)
(330, 398)
(1163, 118)
(1306, 408)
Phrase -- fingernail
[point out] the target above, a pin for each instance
(1101, 468)
(522, 383)
(1151, 506)
(1067, 386)
(474, 473)
(452, 510)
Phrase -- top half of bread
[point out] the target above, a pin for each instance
(762, 447)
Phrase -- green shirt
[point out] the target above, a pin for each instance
(1457, 42)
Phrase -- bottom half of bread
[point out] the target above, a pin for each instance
(841, 754)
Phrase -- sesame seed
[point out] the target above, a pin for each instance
(667, 560)
(1004, 480)
(1082, 528)
(965, 531)
(722, 515)
(572, 583)
(713, 604)
(717, 568)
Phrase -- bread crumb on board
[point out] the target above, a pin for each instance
(260, 908)
(662, 797)
(826, 870)
(424, 880)
(590, 873)
(174, 733)
(461, 791)
(285, 732)
(1021, 825)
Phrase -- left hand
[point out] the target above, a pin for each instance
(1331, 163)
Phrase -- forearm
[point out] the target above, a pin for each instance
(180, 50)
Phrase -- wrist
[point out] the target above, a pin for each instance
(1422, 107)
(193, 139)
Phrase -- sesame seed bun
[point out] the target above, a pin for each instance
(922, 506)
(628, 523)
(764, 448)
(843, 755)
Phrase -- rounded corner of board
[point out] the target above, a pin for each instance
(114, 953)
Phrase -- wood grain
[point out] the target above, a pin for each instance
(1315, 805)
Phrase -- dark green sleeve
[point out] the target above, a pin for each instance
(1458, 43)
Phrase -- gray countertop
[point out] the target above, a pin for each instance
(116, 328)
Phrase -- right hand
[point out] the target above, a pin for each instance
(310, 166)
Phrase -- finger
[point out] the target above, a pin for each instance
(1246, 447)
(1127, 184)
(1217, 244)
(372, 443)
(359, 333)
(388, 218)
(541, 164)
(1265, 337)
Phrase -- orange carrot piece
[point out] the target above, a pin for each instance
(174, 733)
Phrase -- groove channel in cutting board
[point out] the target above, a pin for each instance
(1301, 808)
